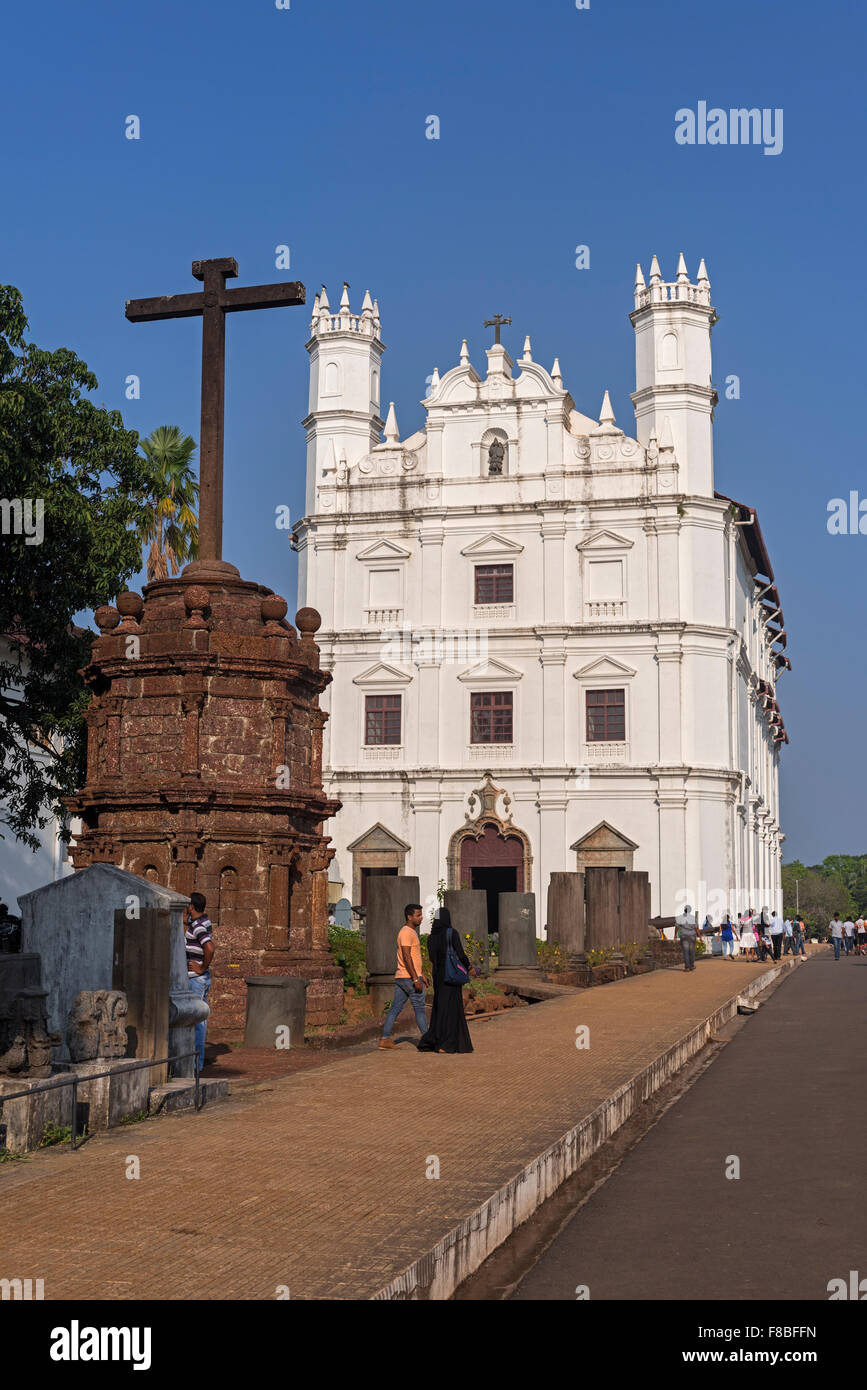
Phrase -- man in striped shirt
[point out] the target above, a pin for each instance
(198, 939)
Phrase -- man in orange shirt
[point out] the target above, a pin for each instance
(408, 977)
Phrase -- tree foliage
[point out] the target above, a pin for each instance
(58, 448)
(171, 528)
(838, 884)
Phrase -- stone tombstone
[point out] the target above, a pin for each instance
(343, 913)
(517, 931)
(566, 912)
(97, 1025)
(276, 1007)
(469, 914)
(71, 923)
(602, 909)
(142, 970)
(387, 895)
(634, 906)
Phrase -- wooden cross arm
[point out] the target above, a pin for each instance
(186, 306)
(262, 296)
(167, 306)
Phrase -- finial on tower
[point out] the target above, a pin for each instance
(702, 274)
(655, 272)
(434, 380)
(682, 273)
(465, 356)
(391, 431)
(606, 414)
(639, 277)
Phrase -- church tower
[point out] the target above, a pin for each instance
(674, 398)
(343, 422)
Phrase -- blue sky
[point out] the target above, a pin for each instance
(306, 127)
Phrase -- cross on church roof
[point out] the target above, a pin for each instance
(496, 323)
(213, 303)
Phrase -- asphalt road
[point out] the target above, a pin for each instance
(785, 1097)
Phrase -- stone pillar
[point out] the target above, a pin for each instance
(602, 909)
(566, 911)
(634, 907)
(517, 919)
(469, 912)
(386, 898)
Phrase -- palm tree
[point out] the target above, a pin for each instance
(171, 528)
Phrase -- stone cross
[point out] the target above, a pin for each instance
(496, 323)
(213, 303)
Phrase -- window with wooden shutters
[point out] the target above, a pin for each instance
(495, 584)
(381, 719)
(491, 717)
(606, 716)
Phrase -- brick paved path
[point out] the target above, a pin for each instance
(317, 1181)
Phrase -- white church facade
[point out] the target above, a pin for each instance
(552, 644)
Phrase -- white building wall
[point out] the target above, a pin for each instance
(388, 552)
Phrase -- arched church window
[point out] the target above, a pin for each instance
(331, 385)
(668, 351)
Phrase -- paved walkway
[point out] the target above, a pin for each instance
(318, 1181)
(786, 1098)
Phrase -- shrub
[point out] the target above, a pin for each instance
(349, 951)
(551, 956)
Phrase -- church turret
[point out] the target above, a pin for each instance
(673, 322)
(343, 422)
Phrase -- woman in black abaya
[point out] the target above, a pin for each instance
(448, 1031)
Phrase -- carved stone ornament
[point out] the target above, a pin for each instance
(97, 1025)
(486, 798)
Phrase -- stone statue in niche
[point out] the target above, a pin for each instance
(496, 455)
(97, 1025)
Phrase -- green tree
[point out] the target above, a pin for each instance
(819, 896)
(71, 491)
(171, 529)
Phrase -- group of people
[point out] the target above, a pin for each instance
(848, 936)
(447, 1030)
(755, 935)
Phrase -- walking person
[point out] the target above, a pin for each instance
(835, 926)
(199, 942)
(448, 1031)
(776, 931)
(408, 976)
(849, 936)
(747, 934)
(789, 938)
(798, 937)
(861, 936)
(687, 931)
(728, 938)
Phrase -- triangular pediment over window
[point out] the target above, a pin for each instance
(605, 540)
(604, 836)
(604, 666)
(492, 544)
(381, 674)
(383, 550)
(491, 671)
(378, 838)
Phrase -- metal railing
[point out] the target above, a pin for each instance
(75, 1081)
